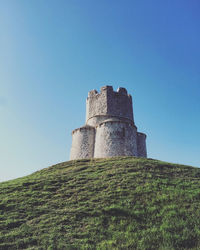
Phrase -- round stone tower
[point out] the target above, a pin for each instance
(115, 137)
(83, 140)
(110, 129)
(108, 104)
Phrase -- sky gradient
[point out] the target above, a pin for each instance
(54, 52)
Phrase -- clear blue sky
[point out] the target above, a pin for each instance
(52, 52)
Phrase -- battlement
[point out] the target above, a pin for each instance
(107, 88)
(141, 135)
(92, 93)
(122, 91)
(108, 102)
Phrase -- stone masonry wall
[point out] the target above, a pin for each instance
(120, 104)
(83, 140)
(109, 103)
(141, 145)
(96, 104)
(115, 138)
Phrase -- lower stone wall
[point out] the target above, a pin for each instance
(141, 145)
(83, 140)
(115, 138)
(110, 138)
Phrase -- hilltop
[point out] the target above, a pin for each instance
(117, 203)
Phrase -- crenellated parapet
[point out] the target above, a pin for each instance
(109, 103)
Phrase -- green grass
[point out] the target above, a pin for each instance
(117, 203)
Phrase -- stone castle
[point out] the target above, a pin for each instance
(110, 129)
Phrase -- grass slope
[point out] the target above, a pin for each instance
(118, 203)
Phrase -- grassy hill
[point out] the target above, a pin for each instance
(118, 203)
